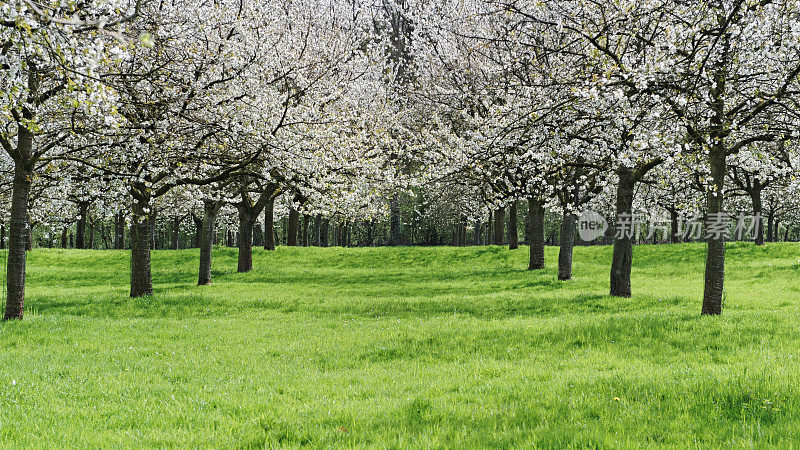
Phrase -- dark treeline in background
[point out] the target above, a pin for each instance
(502, 226)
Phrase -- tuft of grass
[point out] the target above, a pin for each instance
(403, 347)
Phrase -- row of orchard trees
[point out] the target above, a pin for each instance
(561, 101)
(344, 109)
(121, 104)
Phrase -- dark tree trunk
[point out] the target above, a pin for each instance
(715, 258)
(18, 230)
(198, 230)
(210, 210)
(499, 219)
(258, 235)
(294, 225)
(536, 233)
(675, 237)
(90, 244)
(306, 220)
(771, 226)
(3, 236)
(80, 228)
(317, 230)
(245, 263)
(141, 276)
(490, 229)
(64, 237)
(269, 225)
(119, 231)
(513, 237)
(758, 213)
(394, 220)
(622, 259)
(325, 233)
(176, 232)
(567, 244)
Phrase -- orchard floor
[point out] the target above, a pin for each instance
(403, 347)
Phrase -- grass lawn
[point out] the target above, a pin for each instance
(403, 347)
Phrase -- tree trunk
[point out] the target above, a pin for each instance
(176, 230)
(64, 237)
(499, 219)
(318, 230)
(210, 210)
(80, 228)
(90, 243)
(674, 227)
(18, 232)
(269, 225)
(513, 237)
(306, 226)
(119, 231)
(294, 225)
(567, 244)
(536, 233)
(245, 263)
(622, 259)
(141, 276)
(325, 233)
(715, 258)
(771, 226)
(394, 220)
(758, 213)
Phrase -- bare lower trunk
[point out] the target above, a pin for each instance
(294, 225)
(119, 231)
(80, 228)
(536, 234)
(758, 213)
(623, 240)
(269, 225)
(141, 276)
(90, 243)
(499, 229)
(317, 230)
(245, 263)
(674, 227)
(325, 233)
(210, 210)
(567, 244)
(715, 259)
(771, 227)
(394, 220)
(176, 230)
(17, 240)
(513, 237)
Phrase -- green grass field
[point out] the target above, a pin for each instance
(403, 347)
